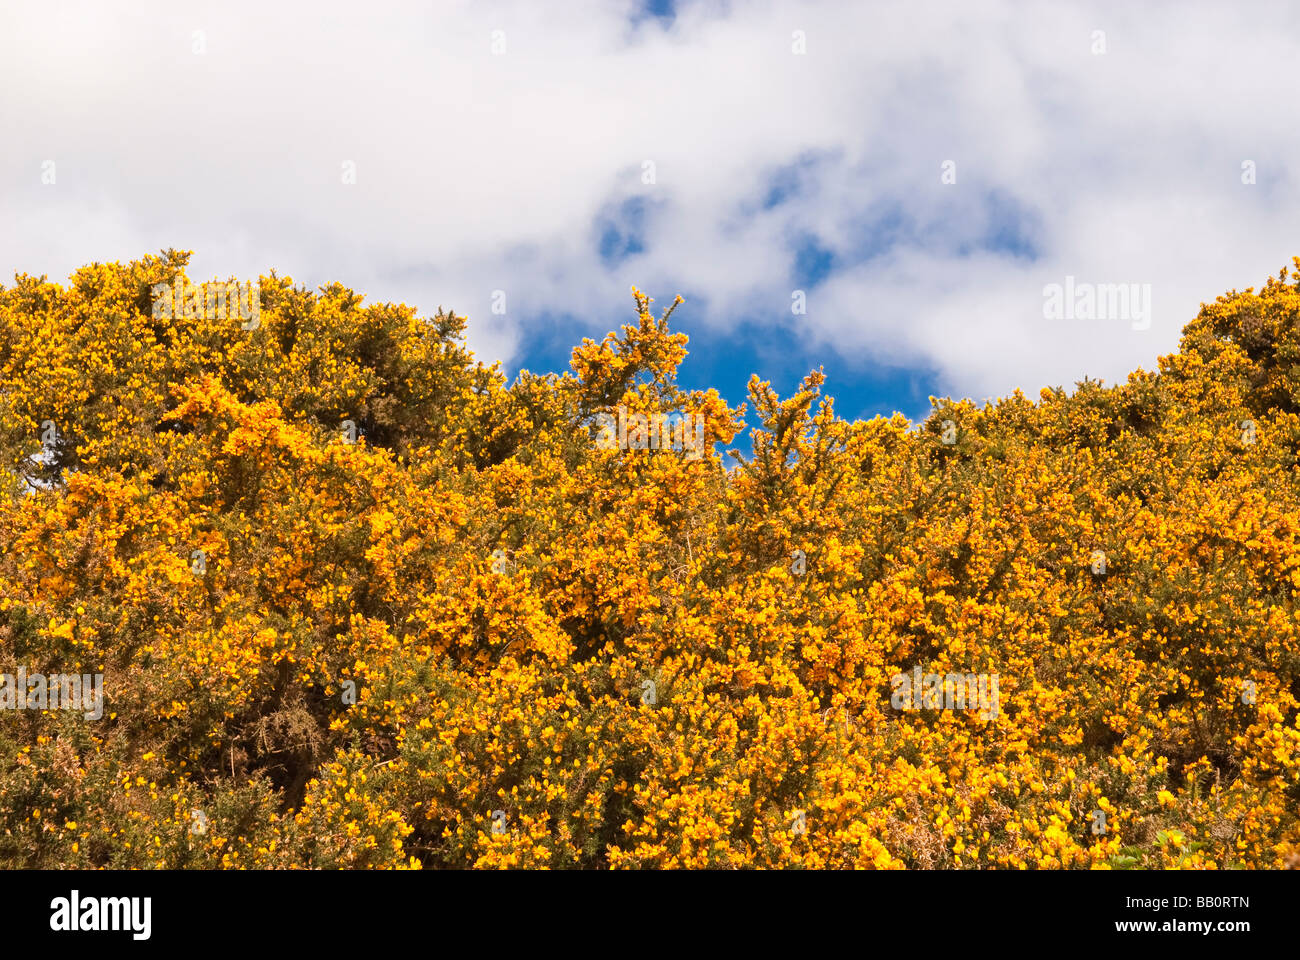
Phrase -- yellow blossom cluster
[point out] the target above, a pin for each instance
(358, 601)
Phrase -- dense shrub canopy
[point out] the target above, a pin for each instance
(477, 637)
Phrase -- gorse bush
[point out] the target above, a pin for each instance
(358, 601)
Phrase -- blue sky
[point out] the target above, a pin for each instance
(724, 360)
(921, 171)
(773, 345)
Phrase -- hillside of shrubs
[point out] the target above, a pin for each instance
(359, 601)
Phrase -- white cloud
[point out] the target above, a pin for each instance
(479, 172)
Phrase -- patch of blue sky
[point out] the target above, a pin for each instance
(620, 231)
(1010, 228)
(664, 11)
(780, 350)
(781, 354)
(813, 262)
